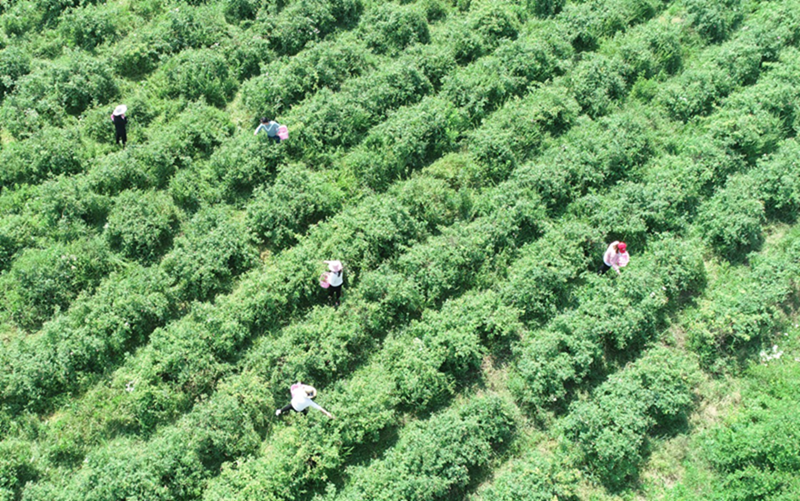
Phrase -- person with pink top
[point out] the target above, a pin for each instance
(615, 257)
(301, 400)
(333, 281)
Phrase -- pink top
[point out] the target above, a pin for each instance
(615, 259)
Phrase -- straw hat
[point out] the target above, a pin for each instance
(334, 266)
(120, 110)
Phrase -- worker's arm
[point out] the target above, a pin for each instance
(319, 407)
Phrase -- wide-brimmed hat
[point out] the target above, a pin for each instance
(120, 110)
(334, 266)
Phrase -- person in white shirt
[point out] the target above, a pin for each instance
(335, 280)
(615, 257)
(301, 400)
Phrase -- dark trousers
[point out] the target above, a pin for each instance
(604, 268)
(275, 139)
(334, 294)
(287, 408)
(121, 136)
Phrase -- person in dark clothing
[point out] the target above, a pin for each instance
(120, 124)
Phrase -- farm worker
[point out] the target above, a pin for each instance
(615, 257)
(301, 400)
(334, 280)
(120, 122)
(270, 127)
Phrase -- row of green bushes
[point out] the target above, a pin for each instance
(446, 282)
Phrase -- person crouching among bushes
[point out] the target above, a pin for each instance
(333, 281)
(270, 127)
(615, 257)
(301, 400)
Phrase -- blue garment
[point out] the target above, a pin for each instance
(271, 128)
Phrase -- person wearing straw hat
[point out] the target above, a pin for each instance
(301, 400)
(334, 279)
(270, 127)
(616, 256)
(120, 123)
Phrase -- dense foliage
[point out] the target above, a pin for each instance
(468, 161)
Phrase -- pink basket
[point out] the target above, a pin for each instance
(283, 132)
(323, 281)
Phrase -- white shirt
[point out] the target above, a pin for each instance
(335, 279)
(300, 400)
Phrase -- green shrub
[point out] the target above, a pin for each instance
(432, 201)
(590, 155)
(322, 347)
(72, 83)
(597, 82)
(16, 232)
(14, 63)
(68, 207)
(747, 128)
(48, 153)
(245, 54)
(389, 28)
(620, 315)
(119, 171)
(42, 282)
(191, 189)
(297, 199)
(141, 225)
(305, 454)
(546, 8)
(612, 427)
(304, 21)
(753, 451)
(481, 87)
(16, 469)
(213, 248)
(445, 349)
(328, 120)
(650, 50)
(88, 339)
(730, 322)
(777, 182)
(714, 20)
(243, 163)
(540, 281)
(435, 60)
(533, 478)
(195, 74)
(241, 10)
(411, 138)
(695, 92)
(437, 458)
(90, 25)
(583, 25)
(538, 55)
(175, 30)
(285, 82)
(495, 22)
(730, 222)
(194, 134)
(517, 130)
(134, 57)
